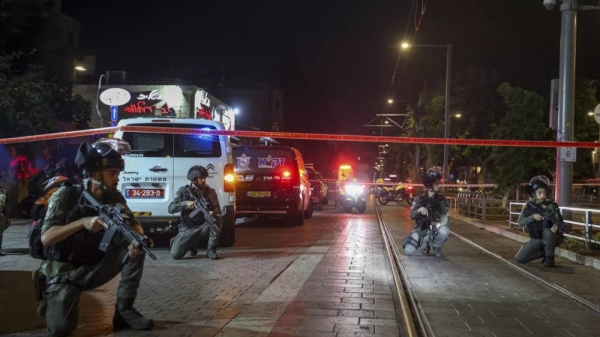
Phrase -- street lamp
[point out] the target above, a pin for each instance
(77, 68)
(390, 101)
(406, 46)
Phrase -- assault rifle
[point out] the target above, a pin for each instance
(203, 206)
(553, 219)
(115, 222)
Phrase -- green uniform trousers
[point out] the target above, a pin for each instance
(61, 303)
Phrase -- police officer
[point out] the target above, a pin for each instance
(4, 221)
(72, 236)
(430, 212)
(191, 230)
(545, 237)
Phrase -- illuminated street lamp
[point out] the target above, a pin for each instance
(77, 68)
(406, 46)
(390, 101)
(458, 115)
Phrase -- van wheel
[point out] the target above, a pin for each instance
(227, 237)
(309, 212)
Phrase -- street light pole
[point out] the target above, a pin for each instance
(447, 110)
(566, 97)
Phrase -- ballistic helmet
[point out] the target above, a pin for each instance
(536, 183)
(197, 171)
(103, 154)
(433, 175)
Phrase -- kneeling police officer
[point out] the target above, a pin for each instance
(430, 212)
(196, 224)
(543, 220)
(72, 237)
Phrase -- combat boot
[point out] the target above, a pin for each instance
(438, 252)
(211, 253)
(549, 261)
(127, 316)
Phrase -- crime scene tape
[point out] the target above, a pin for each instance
(303, 136)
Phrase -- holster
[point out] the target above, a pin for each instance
(39, 283)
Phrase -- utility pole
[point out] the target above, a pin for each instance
(566, 96)
(447, 111)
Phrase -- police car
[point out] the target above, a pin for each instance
(158, 164)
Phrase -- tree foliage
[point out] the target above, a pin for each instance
(33, 105)
(523, 120)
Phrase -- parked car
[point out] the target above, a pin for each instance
(272, 182)
(318, 188)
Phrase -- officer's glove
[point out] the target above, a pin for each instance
(190, 204)
(423, 210)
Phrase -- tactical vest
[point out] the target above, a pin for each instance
(434, 207)
(534, 228)
(198, 218)
(81, 248)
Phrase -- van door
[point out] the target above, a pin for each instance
(204, 150)
(147, 181)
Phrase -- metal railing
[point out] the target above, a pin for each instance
(586, 213)
(481, 206)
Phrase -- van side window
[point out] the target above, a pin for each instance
(155, 145)
(206, 146)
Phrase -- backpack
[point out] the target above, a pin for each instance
(37, 250)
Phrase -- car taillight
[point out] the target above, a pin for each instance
(229, 179)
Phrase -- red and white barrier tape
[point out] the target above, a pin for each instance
(303, 136)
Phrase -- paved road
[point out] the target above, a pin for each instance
(470, 293)
(326, 278)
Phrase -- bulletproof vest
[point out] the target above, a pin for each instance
(198, 219)
(535, 228)
(434, 207)
(81, 248)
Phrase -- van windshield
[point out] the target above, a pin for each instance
(174, 145)
(259, 160)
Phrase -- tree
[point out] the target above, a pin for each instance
(586, 128)
(33, 105)
(477, 99)
(523, 120)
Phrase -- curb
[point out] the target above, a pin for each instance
(567, 254)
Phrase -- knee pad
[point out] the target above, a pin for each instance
(411, 243)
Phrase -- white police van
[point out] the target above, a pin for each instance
(158, 164)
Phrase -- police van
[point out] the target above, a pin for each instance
(158, 164)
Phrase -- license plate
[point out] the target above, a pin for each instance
(261, 194)
(144, 193)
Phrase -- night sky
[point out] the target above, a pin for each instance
(332, 58)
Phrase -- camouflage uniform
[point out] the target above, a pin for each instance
(191, 231)
(543, 242)
(3, 218)
(66, 280)
(438, 214)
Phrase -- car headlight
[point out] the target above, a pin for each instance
(355, 189)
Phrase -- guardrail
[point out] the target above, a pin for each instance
(481, 206)
(586, 213)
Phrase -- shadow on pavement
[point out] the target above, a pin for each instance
(18, 306)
